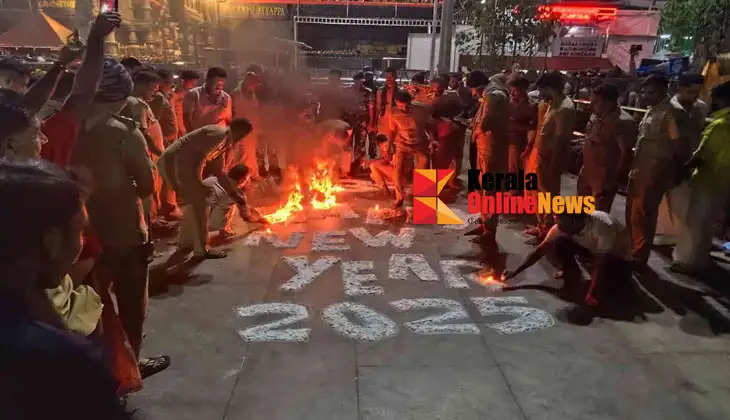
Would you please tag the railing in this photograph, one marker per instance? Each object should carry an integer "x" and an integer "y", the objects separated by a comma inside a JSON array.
[{"x": 327, "y": 20}]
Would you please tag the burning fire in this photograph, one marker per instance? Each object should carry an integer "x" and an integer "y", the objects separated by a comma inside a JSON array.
[
  {"x": 293, "y": 204},
  {"x": 322, "y": 188},
  {"x": 488, "y": 279}
]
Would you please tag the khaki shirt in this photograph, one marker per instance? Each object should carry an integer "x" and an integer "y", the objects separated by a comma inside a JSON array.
[
  {"x": 177, "y": 106},
  {"x": 490, "y": 130},
  {"x": 115, "y": 154},
  {"x": 605, "y": 138},
  {"x": 188, "y": 155},
  {"x": 658, "y": 134},
  {"x": 559, "y": 118},
  {"x": 139, "y": 111},
  {"x": 162, "y": 108},
  {"x": 408, "y": 133}
]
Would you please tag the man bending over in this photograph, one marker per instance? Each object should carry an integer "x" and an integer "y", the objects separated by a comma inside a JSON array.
[{"x": 598, "y": 235}]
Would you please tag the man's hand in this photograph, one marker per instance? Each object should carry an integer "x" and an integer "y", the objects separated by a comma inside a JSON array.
[
  {"x": 105, "y": 23},
  {"x": 69, "y": 53}
]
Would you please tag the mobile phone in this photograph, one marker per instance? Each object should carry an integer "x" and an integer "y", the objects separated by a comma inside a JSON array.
[{"x": 108, "y": 5}]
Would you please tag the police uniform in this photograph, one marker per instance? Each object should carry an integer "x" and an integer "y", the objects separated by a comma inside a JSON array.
[
  {"x": 605, "y": 138},
  {"x": 410, "y": 143},
  {"x": 652, "y": 174},
  {"x": 181, "y": 165},
  {"x": 490, "y": 136}
]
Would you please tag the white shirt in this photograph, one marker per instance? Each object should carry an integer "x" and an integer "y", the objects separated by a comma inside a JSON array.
[
  {"x": 219, "y": 197},
  {"x": 602, "y": 234}
]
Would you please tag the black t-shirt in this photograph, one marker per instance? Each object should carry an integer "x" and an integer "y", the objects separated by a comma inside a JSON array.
[{"x": 50, "y": 374}]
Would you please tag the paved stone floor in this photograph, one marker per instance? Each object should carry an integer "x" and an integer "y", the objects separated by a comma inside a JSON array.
[{"x": 271, "y": 333}]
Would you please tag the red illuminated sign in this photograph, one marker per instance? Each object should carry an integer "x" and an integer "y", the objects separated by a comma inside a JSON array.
[{"x": 576, "y": 13}]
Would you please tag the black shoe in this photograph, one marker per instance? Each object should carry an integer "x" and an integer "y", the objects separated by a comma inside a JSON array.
[{"x": 148, "y": 366}]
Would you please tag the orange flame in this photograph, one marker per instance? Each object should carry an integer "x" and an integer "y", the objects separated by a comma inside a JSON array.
[
  {"x": 293, "y": 204},
  {"x": 322, "y": 188},
  {"x": 487, "y": 279}
]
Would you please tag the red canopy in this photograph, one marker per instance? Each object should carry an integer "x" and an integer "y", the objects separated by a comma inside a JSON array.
[{"x": 36, "y": 30}]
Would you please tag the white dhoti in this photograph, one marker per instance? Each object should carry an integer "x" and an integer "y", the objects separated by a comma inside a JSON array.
[
  {"x": 672, "y": 214},
  {"x": 695, "y": 239},
  {"x": 221, "y": 216}
]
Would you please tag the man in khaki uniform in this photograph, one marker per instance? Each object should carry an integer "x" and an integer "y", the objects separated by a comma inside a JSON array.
[
  {"x": 182, "y": 164},
  {"x": 138, "y": 109},
  {"x": 552, "y": 142},
  {"x": 409, "y": 136},
  {"x": 489, "y": 132},
  {"x": 610, "y": 135},
  {"x": 654, "y": 167},
  {"x": 112, "y": 151},
  {"x": 384, "y": 103}
]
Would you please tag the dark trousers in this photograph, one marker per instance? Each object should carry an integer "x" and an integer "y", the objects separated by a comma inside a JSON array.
[
  {"x": 126, "y": 269},
  {"x": 608, "y": 272}
]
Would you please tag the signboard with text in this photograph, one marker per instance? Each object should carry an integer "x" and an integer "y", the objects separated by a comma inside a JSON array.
[
  {"x": 256, "y": 11},
  {"x": 577, "y": 47}
]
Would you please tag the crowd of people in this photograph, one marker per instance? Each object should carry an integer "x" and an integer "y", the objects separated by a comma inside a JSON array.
[{"x": 95, "y": 156}]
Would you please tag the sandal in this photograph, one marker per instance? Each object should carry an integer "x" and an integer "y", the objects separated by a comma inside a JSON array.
[{"x": 148, "y": 366}]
